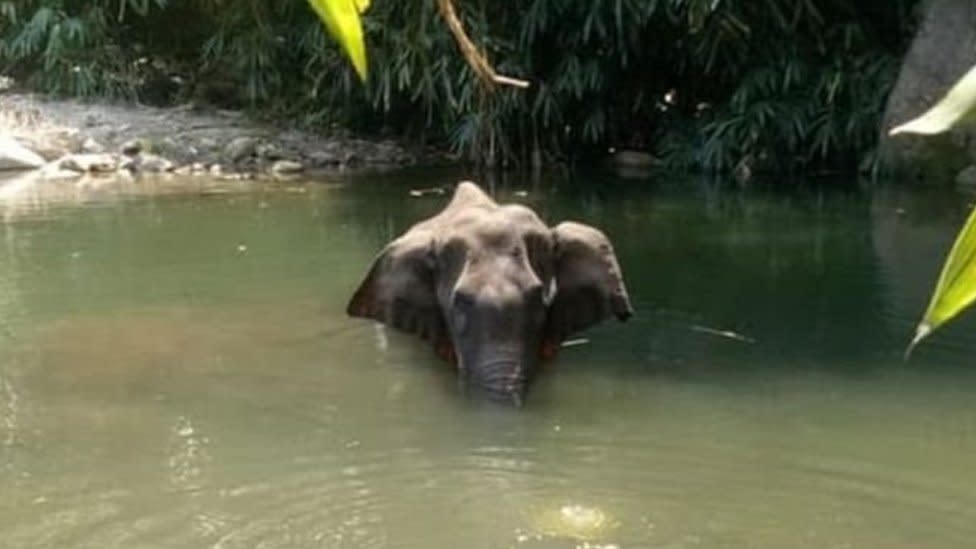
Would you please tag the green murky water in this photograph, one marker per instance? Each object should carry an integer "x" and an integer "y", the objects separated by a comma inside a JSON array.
[{"x": 176, "y": 371}]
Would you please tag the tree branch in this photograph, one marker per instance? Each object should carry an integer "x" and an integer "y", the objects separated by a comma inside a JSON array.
[{"x": 475, "y": 58}]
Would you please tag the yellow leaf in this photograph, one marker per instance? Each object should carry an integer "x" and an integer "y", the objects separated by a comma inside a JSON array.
[
  {"x": 956, "y": 288},
  {"x": 341, "y": 18},
  {"x": 958, "y": 105}
]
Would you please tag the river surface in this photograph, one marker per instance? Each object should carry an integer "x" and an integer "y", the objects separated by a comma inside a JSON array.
[{"x": 177, "y": 371}]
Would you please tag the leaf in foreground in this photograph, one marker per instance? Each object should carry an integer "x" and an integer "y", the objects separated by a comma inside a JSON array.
[
  {"x": 341, "y": 18},
  {"x": 956, "y": 288},
  {"x": 959, "y": 104}
]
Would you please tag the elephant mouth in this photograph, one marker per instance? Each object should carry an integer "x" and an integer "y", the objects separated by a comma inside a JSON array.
[{"x": 501, "y": 380}]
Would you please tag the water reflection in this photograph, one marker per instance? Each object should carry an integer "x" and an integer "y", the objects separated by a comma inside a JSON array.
[
  {"x": 188, "y": 455},
  {"x": 9, "y": 411},
  {"x": 160, "y": 386}
]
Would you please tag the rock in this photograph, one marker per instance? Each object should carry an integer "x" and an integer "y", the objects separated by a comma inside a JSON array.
[
  {"x": 14, "y": 156},
  {"x": 942, "y": 51},
  {"x": 129, "y": 164},
  {"x": 54, "y": 172},
  {"x": 323, "y": 158},
  {"x": 742, "y": 173},
  {"x": 285, "y": 167},
  {"x": 240, "y": 148},
  {"x": 237, "y": 176},
  {"x": 153, "y": 163},
  {"x": 89, "y": 163},
  {"x": 208, "y": 143},
  {"x": 52, "y": 144},
  {"x": 70, "y": 139},
  {"x": 92, "y": 146},
  {"x": 630, "y": 164},
  {"x": 132, "y": 147},
  {"x": 634, "y": 159},
  {"x": 432, "y": 191},
  {"x": 268, "y": 152},
  {"x": 172, "y": 147},
  {"x": 967, "y": 177}
]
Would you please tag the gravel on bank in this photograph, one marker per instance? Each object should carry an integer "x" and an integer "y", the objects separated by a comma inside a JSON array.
[{"x": 74, "y": 138}]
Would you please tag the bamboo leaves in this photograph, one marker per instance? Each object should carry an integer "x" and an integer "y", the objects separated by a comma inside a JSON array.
[
  {"x": 956, "y": 289},
  {"x": 958, "y": 105},
  {"x": 341, "y": 18}
]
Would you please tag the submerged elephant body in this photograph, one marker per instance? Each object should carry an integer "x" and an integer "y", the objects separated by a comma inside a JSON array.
[{"x": 493, "y": 288}]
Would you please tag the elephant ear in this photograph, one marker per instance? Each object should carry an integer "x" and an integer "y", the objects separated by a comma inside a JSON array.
[
  {"x": 589, "y": 285},
  {"x": 400, "y": 289}
]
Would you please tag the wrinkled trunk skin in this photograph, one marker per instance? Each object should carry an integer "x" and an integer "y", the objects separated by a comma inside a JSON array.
[
  {"x": 496, "y": 381},
  {"x": 943, "y": 50},
  {"x": 499, "y": 373},
  {"x": 497, "y": 385}
]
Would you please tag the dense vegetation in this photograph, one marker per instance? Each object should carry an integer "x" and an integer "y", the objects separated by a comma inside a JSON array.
[{"x": 786, "y": 85}]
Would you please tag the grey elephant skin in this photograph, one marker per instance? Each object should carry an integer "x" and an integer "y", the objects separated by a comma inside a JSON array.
[{"x": 493, "y": 288}]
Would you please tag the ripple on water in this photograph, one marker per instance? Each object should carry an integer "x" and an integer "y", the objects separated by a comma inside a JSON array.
[
  {"x": 9, "y": 412},
  {"x": 668, "y": 487},
  {"x": 308, "y": 508}
]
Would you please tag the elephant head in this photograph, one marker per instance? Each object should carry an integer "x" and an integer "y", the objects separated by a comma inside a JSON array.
[{"x": 493, "y": 288}]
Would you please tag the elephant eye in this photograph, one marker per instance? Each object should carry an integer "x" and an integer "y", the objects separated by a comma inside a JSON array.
[
  {"x": 463, "y": 303},
  {"x": 534, "y": 293},
  {"x": 463, "y": 300}
]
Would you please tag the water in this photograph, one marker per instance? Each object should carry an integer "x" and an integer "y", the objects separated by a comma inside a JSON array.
[{"x": 176, "y": 371}]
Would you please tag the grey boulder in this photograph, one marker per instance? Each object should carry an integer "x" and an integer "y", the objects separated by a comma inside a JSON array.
[{"x": 14, "y": 156}]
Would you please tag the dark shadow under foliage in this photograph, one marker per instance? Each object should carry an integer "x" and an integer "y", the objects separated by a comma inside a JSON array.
[{"x": 713, "y": 85}]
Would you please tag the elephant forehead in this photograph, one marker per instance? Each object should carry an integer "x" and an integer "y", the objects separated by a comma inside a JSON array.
[{"x": 504, "y": 227}]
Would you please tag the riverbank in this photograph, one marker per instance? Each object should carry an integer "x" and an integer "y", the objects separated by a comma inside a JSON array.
[{"x": 71, "y": 138}]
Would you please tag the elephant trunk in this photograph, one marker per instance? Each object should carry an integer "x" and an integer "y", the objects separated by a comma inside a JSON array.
[{"x": 504, "y": 379}]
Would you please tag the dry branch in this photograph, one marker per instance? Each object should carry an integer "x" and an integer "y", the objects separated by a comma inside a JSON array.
[{"x": 479, "y": 64}]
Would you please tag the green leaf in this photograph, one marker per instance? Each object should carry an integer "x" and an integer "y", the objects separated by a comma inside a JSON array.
[
  {"x": 341, "y": 18},
  {"x": 958, "y": 105},
  {"x": 956, "y": 288}
]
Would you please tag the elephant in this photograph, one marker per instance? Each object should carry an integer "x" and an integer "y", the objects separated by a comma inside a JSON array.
[{"x": 493, "y": 288}]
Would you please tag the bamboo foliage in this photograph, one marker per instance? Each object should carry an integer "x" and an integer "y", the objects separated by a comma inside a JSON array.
[
  {"x": 955, "y": 290},
  {"x": 775, "y": 84}
]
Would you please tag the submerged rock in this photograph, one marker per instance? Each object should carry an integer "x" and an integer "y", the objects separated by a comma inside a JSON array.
[
  {"x": 54, "y": 172},
  {"x": 635, "y": 159},
  {"x": 967, "y": 177},
  {"x": 89, "y": 163},
  {"x": 631, "y": 164}
]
